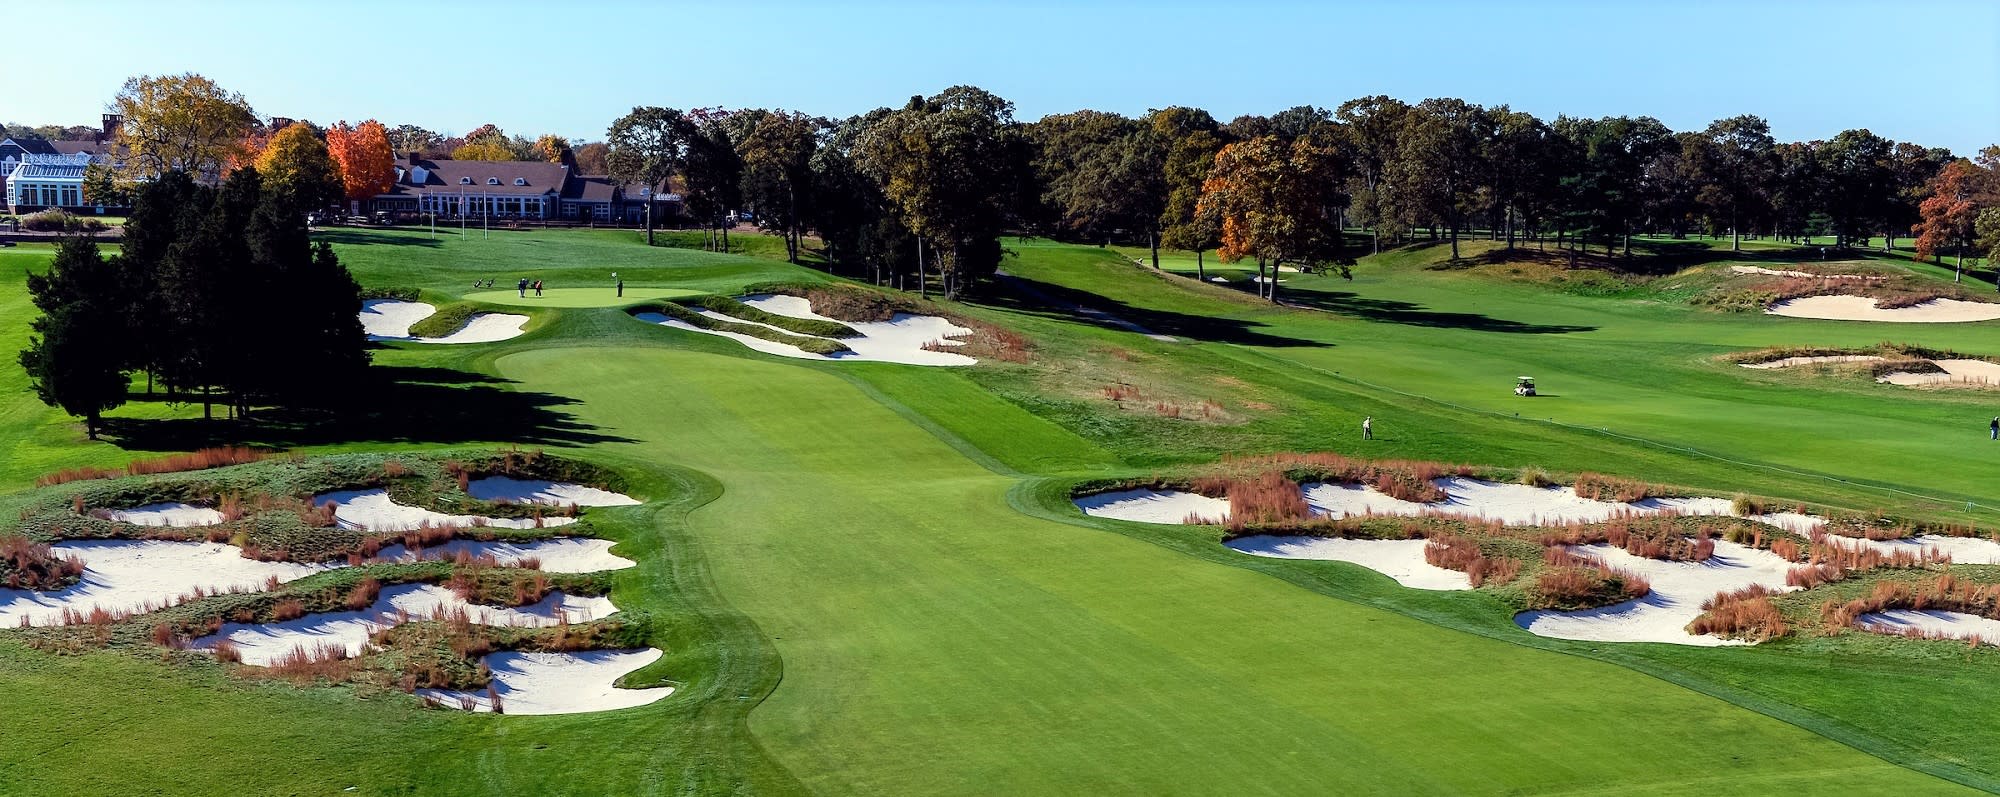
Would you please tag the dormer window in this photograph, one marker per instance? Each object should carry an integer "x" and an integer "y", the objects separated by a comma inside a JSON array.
[
  {"x": 492, "y": 181},
  {"x": 465, "y": 181},
  {"x": 520, "y": 181}
]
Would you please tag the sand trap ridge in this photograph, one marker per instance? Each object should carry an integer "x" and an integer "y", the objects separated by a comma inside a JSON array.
[
  {"x": 1862, "y": 308},
  {"x": 390, "y": 319},
  {"x": 1956, "y": 372},
  {"x": 1402, "y": 560},
  {"x": 558, "y": 683},
  {"x": 263, "y": 643},
  {"x": 1789, "y": 362},
  {"x": 373, "y": 510},
  {"x": 1931, "y": 623},
  {"x": 128, "y": 576},
  {"x": 1808, "y": 274},
  {"x": 1154, "y": 506},
  {"x": 559, "y": 555},
  {"x": 175, "y": 514},
  {"x": 1679, "y": 589},
  {"x": 534, "y": 491},
  {"x": 898, "y": 340}
]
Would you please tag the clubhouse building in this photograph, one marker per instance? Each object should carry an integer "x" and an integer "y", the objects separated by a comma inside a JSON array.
[
  {"x": 513, "y": 190},
  {"x": 36, "y": 174}
]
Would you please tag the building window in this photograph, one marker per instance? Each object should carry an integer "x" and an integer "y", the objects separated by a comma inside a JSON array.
[{"x": 465, "y": 181}]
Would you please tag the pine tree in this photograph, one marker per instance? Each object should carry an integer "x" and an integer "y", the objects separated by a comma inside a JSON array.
[{"x": 78, "y": 355}]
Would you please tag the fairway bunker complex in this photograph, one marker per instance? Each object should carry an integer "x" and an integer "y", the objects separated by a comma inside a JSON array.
[
  {"x": 260, "y": 644},
  {"x": 906, "y": 338},
  {"x": 133, "y": 576},
  {"x": 556, "y": 683},
  {"x": 391, "y": 319}
]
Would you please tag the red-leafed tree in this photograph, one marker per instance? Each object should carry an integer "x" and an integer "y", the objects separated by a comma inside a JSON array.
[
  {"x": 367, "y": 165},
  {"x": 1955, "y": 198}
]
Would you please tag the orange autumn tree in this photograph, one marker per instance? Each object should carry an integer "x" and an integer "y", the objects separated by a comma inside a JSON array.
[
  {"x": 1277, "y": 202},
  {"x": 367, "y": 164},
  {"x": 1957, "y": 194}
]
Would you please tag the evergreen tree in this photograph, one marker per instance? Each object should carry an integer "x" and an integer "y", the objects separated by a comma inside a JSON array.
[{"x": 78, "y": 355}]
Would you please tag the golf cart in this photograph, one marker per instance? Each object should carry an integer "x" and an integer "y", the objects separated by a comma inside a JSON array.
[{"x": 1526, "y": 387}]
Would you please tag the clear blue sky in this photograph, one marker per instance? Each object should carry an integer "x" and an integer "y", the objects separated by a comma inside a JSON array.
[{"x": 1919, "y": 70}]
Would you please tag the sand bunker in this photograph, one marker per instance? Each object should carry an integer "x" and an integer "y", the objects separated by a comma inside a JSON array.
[
  {"x": 373, "y": 510},
  {"x": 1679, "y": 589},
  {"x": 177, "y": 515},
  {"x": 1862, "y": 308},
  {"x": 898, "y": 340},
  {"x": 508, "y": 489},
  {"x": 1155, "y": 506},
  {"x": 557, "y": 683},
  {"x": 132, "y": 576},
  {"x": 261, "y": 644},
  {"x": 559, "y": 555},
  {"x": 1956, "y": 372},
  {"x": 1963, "y": 550},
  {"x": 1808, "y": 274},
  {"x": 1402, "y": 560},
  {"x": 1511, "y": 504},
  {"x": 390, "y": 319},
  {"x": 1931, "y": 624},
  {"x": 1789, "y": 362}
]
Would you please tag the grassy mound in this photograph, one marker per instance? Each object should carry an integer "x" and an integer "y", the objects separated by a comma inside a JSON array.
[
  {"x": 448, "y": 319},
  {"x": 820, "y": 346},
  {"x": 803, "y": 326}
]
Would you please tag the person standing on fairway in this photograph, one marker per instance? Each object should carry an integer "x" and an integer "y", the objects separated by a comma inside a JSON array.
[
  {"x": 1994, "y": 429},
  {"x": 621, "y": 288},
  {"x": 523, "y": 287},
  {"x": 1368, "y": 428}
]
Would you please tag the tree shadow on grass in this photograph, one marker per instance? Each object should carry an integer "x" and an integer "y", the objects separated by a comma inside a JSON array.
[
  {"x": 1391, "y": 311},
  {"x": 352, "y": 237},
  {"x": 396, "y": 404},
  {"x": 1048, "y": 300}
]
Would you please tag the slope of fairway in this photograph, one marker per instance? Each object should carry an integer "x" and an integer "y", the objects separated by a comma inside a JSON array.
[{"x": 937, "y": 641}]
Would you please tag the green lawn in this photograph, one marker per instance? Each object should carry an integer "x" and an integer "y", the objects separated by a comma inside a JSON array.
[
  {"x": 868, "y": 578},
  {"x": 579, "y": 297}
]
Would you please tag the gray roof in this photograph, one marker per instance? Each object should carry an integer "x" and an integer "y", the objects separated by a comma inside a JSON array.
[
  {"x": 444, "y": 175},
  {"x": 33, "y": 146},
  {"x": 51, "y": 167}
]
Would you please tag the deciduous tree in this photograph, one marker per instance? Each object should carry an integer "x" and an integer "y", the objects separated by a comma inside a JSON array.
[
  {"x": 180, "y": 123},
  {"x": 367, "y": 165},
  {"x": 297, "y": 166},
  {"x": 648, "y": 146}
]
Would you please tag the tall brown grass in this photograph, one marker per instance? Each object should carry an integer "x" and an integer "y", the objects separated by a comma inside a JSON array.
[
  {"x": 1600, "y": 487},
  {"x": 1746, "y": 613},
  {"x": 201, "y": 459},
  {"x": 1653, "y": 537},
  {"x": 1462, "y": 553},
  {"x": 1568, "y": 581},
  {"x": 27, "y": 564}
]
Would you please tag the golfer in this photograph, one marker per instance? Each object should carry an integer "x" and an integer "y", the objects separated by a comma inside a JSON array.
[
  {"x": 523, "y": 287},
  {"x": 1994, "y": 428},
  {"x": 1368, "y": 428}
]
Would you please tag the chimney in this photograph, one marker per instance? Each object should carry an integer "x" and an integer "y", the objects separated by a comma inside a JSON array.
[
  {"x": 111, "y": 123},
  {"x": 414, "y": 155}
]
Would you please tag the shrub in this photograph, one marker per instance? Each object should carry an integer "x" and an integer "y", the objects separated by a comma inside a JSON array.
[
  {"x": 398, "y": 293},
  {"x": 58, "y": 220}
]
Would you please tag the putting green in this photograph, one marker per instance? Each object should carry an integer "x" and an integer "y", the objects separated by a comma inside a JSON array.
[{"x": 579, "y": 297}]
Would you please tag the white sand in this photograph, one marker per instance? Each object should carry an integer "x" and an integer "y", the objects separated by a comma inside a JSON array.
[
  {"x": 131, "y": 576},
  {"x": 1778, "y": 273},
  {"x": 1956, "y": 372},
  {"x": 535, "y": 491},
  {"x": 1963, "y": 550},
  {"x": 484, "y": 328},
  {"x": 1402, "y": 560},
  {"x": 1154, "y": 506},
  {"x": 1343, "y": 500},
  {"x": 1862, "y": 308},
  {"x": 1679, "y": 589},
  {"x": 1267, "y": 279},
  {"x": 898, "y": 340},
  {"x": 262, "y": 644},
  {"x": 372, "y": 510},
  {"x": 1830, "y": 358},
  {"x": 390, "y": 319},
  {"x": 1511, "y": 504},
  {"x": 1932, "y": 622},
  {"x": 177, "y": 515},
  {"x": 559, "y": 683},
  {"x": 559, "y": 555},
  {"x": 1219, "y": 279}
]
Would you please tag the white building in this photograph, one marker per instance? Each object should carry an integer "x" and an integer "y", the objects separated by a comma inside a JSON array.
[{"x": 41, "y": 181}]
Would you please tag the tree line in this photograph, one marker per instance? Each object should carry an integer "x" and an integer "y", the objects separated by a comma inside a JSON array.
[
  {"x": 929, "y": 187},
  {"x": 217, "y": 295}
]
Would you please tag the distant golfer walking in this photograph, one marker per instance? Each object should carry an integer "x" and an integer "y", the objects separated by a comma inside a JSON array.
[
  {"x": 523, "y": 287},
  {"x": 1368, "y": 428},
  {"x": 1994, "y": 428}
]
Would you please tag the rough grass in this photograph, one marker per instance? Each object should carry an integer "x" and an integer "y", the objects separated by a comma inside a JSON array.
[{"x": 448, "y": 319}]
